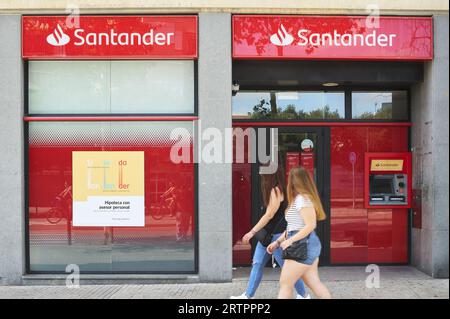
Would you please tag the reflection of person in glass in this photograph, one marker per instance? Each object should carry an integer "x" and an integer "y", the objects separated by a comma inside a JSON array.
[
  {"x": 168, "y": 198},
  {"x": 62, "y": 205},
  {"x": 108, "y": 235},
  {"x": 64, "y": 199},
  {"x": 184, "y": 211},
  {"x": 273, "y": 197}
]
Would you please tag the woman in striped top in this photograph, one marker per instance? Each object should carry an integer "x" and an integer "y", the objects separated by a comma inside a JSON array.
[{"x": 303, "y": 211}]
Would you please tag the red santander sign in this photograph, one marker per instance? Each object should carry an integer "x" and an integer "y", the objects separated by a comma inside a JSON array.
[
  {"x": 109, "y": 37},
  {"x": 332, "y": 37}
]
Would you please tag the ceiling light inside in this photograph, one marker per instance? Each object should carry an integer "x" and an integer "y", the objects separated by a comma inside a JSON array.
[{"x": 330, "y": 84}]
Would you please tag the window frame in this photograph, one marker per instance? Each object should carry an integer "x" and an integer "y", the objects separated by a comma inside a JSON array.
[{"x": 100, "y": 117}]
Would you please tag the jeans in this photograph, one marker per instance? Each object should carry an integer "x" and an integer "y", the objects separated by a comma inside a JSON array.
[
  {"x": 260, "y": 259},
  {"x": 314, "y": 247}
]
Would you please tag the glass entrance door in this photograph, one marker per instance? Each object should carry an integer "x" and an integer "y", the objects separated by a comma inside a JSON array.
[{"x": 305, "y": 147}]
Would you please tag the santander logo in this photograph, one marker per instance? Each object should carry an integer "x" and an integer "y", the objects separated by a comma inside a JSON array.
[
  {"x": 372, "y": 38},
  {"x": 58, "y": 37},
  {"x": 282, "y": 37},
  {"x": 110, "y": 37}
]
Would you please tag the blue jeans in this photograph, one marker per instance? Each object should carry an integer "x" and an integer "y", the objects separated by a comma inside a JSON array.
[
  {"x": 314, "y": 247},
  {"x": 260, "y": 259}
]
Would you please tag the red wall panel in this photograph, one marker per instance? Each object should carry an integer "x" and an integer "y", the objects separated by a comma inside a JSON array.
[
  {"x": 242, "y": 205},
  {"x": 360, "y": 235},
  {"x": 242, "y": 254}
]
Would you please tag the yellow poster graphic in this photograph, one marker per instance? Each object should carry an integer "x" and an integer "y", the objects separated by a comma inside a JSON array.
[{"x": 108, "y": 188}]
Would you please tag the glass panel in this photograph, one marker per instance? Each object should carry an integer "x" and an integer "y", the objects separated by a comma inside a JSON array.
[
  {"x": 64, "y": 87},
  {"x": 289, "y": 105},
  {"x": 299, "y": 149},
  {"x": 245, "y": 104},
  {"x": 380, "y": 105},
  {"x": 164, "y": 244},
  {"x": 152, "y": 86},
  {"x": 69, "y": 87}
]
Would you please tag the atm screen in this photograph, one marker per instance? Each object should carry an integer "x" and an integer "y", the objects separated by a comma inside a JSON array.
[{"x": 381, "y": 186}]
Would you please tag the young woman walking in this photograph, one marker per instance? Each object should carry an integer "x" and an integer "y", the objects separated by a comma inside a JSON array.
[
  {"x": 273, "y": 193},
  {"x": 302, "y": 260}
]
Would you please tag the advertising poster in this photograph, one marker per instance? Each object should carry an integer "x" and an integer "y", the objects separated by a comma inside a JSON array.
[
  {"x": 292, "y": 161},
  {"x": 108, "y": 189},
  {"x": 307, "y": 156},
  {"x": 307, "y": 162}
]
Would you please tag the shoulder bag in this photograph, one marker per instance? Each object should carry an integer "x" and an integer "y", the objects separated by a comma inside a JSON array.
[
  {"x": 298, "y": 250},
  {"x": 265, "y": 237}
]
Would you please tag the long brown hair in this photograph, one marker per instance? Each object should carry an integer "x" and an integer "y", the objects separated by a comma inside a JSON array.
[
  {"x": 269, "y": 181},
  {"x": 300, "y": 182}
]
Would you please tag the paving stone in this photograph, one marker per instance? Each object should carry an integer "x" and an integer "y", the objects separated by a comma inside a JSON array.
[{"x": 343, "y": 283}]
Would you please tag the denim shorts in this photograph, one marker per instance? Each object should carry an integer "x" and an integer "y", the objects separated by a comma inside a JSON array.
[{"x": 314, "y": 247}]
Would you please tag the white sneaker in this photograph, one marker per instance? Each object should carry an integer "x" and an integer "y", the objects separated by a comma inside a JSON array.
[
  {"x": 243, "y": 296},
  {"x": 308, "y": 296}
]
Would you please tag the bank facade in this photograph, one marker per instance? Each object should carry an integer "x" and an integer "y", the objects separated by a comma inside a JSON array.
[{"x": 93, "y": 106}]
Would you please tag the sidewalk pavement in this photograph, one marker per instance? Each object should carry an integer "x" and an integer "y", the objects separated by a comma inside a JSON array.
[{"x": 344, "y": 282}]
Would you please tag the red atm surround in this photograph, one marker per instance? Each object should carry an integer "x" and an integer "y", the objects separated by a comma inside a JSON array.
[{"x": 406, "y": 169}]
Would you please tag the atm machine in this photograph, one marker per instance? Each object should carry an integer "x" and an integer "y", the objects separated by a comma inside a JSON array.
[{"x": 388, "y": 180}]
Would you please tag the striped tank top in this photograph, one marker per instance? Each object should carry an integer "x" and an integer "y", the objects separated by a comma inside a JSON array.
[{"x": 294, "y": 218}]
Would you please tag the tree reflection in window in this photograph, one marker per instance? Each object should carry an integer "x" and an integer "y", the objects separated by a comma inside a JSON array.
[
  {"x": 377, "y": 105},
  {"x": 297, "y": 106},
  {"x": 385, "y": 112}
]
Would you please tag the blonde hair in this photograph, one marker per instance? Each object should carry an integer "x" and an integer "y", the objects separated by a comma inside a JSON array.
[{"x": 300, "y": 182}]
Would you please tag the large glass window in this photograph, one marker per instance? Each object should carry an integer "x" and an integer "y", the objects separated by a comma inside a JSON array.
[
  {"x": 321, "y": 105},
  {"x": 85, "y": 205},
  {"x": 383, "y": 105},
  {"x": 63, "y": 87},
  {"x": 289, "y": 105},
  {"x": 166, "y": 242}
]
